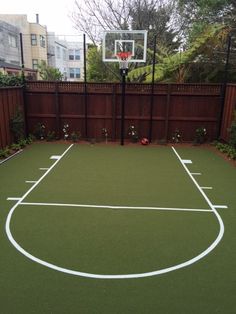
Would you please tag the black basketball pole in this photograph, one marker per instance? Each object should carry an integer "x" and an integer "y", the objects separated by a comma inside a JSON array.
[
  {"x": 85, "y": 90},
  {"x": 152, "y": 88},
  {"x": 122, "y": 126}
]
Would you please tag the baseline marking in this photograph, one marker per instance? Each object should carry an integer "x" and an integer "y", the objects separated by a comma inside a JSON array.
[
  {"x": 126, "y": 276},
  {"x": 44, "y": 168},
  {"x": 186, "y": 161},
  {"x": 196, "y": 173},
  {"x": 220, "y": 206},
  {"x": 116, "y": 207},
  {"x": 55, "y": 157},
  {"x": 30, "y": 181},
  {"x": 13, "y": 198},
  {"x": 206, "y": 187}
]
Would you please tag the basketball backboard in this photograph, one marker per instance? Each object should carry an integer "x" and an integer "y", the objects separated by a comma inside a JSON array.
[{"x": 118, "y": 41}]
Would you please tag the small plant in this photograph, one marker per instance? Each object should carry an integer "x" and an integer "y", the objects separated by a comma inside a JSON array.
[
  {"x": 39, "y": 131},
  {"x": 200, "y": 135},
  {"x": 30, "y": 139},
  {"x": 176, "y": 137},
  {"x": 65, "y": 131},
  {"x": 15, "y": 147},
  {"x": 17, "y": 125},
  {"x": 105, "y": 134},
  {"x": 75, "y": 136},
  {"x": 22, "y": 143},
  {"x": 232, "y": 134},
  {"x": 227, "y": 149},
  {"x": 51, "y": 136},
  {"x": 133, "y": 133},
  {"x": 4, "y": 153}
]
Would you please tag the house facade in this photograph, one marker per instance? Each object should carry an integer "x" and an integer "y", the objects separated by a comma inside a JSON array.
[{"x": 38, "y": 45}]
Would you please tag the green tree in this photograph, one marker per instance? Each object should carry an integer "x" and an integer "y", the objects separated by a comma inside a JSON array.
[
  {"x": 176, "y": 67},
  {"x": 48, "y": 73},
  {"x": 98, "y": 71},
  {"x": 156, "y": 17},
  {"x": 11, "y": 80}
]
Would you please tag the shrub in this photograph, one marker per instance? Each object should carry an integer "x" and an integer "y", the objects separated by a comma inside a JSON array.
[
  {"x": 22, "y": 143},
  {"x": 17, "y": 125},
  {"x": 232, "y": 132},
  {"x": 4, "y": 153},
  {"x": 39, "y": 131},
  {"x": 15, "y": 147},
  {"x": 133, "y": 133},
  {"x": 51, "y": 136},
  {"x": 227, "y": 149},
  {"x": 200, "y": 135},
  {"x": 65, "y": 130},
  {"x": 176, "y": 137},
  {"x": 75, "y": 136}
]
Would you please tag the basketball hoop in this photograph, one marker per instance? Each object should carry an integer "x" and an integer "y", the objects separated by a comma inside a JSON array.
[{"x": 124, "y": 57}]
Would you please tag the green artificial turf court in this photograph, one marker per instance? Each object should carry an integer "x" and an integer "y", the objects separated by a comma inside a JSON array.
[{"x": 111, "y": 229}]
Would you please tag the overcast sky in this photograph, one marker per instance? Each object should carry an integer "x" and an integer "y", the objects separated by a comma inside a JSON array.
[{"x": 53, "y": 14}]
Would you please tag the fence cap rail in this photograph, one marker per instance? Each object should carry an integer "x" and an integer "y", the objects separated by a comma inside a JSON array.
[{"x": 136, "y": 88}]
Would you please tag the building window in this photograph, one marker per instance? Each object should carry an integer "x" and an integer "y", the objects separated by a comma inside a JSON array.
[
  {"x": 77, "y": 54},
  {"x": 33, "y": 39},
  {"x": 35, "y": 64},
  {"x": 12, "y": 40},
  {"x": 74, "y": 54},
  {"x": 42, "y": 41},
  {"x": 74, "y": 72},
  {"x": 71, "y": 54}
]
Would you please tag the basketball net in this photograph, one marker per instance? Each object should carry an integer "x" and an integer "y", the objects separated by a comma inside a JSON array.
[{"x": 124, "y": 58}]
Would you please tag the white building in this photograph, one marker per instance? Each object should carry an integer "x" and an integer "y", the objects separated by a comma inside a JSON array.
[
  {"x": 75, "y": 61},
  {"x": 58, "y": 54},
  {"x": 66, "y": 56}
]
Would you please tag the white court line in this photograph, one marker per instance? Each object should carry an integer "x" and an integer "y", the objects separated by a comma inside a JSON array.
[
  {"x": 101, "y": 276},
  {"x": 55, "y": 157},
  {"x": 13, "y": 198},
  {"x": 220, "y": 206},
  {"x": 13, "y": 155},
  {"x": 30, "y": 181},
  {"x": 206, "y": 187},
  {"x": 186, "y": 161},
  {"x": 196, "y": 173},
  {"x": 44, "y": 168},
  {"x": 116, "y": 207},
  {"x": 221, "y": 224}
]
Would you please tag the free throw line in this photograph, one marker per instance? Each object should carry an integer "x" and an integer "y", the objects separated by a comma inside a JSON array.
[{"x": 116, "y": 207}]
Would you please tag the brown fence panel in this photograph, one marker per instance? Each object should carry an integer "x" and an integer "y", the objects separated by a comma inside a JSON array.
[
  {"x": 182, "y": 106},
  {"x": 11, "y": 98},
  {"x": 228, "y": 114}
]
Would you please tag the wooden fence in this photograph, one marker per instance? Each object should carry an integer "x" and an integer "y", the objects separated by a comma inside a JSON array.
[
  {"x": 229, "y": 108},
  {"x": 10, "y": 99},
  {"x": 91, "y": 107}
]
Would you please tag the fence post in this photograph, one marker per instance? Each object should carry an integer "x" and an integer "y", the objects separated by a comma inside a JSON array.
[
  {"x": 57, "y": 109},
  {"x": 167, "y": 111},
  {"x": 113, "y": 104},
  {"x": 152, "y": 88},
  {"x": 85, "y": 90}
]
